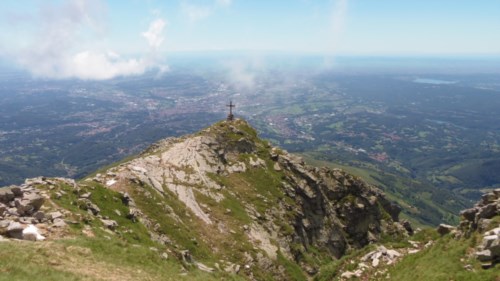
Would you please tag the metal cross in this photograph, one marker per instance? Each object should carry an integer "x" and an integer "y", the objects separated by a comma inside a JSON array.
[{"x": 230, "y": 117}]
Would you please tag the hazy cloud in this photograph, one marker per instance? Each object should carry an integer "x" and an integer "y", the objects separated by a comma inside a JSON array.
[
  {"x": 240, "y": 74},
  {"x": 62, "y": 48},
  {"x": 154, "y": 35},
  {"x": 338, "y": 17},
  {"x": 337, "y": 25},
  {"x": 243, "y": 73}
]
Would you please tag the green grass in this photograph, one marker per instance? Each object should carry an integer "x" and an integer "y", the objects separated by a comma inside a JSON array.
[
  {"x": 23, "y": 261},
  {"x": 332, "y": 269},
  {"x": 292, "y": 270},
  {"x": 206, "y": 243},
  {"x": 237, "y": 209},
  {"x": 97, "y": 258},
  {"x": 443, "y": 262},
  {"x": 426, "y": 234},
  {"x": 153, "y": 206},
  {"x": 127, "y": 253},
  {"x": 109, "y": 202}
]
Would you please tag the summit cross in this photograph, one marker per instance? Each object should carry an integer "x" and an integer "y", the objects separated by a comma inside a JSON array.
[{"x": 230, "y": 117}]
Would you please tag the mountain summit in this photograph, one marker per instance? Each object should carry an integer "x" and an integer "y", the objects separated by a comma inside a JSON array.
[
  {"x": 221, "y": 200},
  {"x": 250, "y": 203}
]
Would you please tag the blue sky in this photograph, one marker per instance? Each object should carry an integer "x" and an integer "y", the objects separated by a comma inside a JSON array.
[{"x": 65, "y": 38}]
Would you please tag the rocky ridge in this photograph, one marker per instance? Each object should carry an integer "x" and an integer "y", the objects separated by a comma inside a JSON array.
[
  {"x": 219, "y": 200},
  {"x": 325, "y": 209}
]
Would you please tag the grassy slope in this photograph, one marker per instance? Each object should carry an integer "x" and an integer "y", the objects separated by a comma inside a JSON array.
[
  {"x": 126, "y": 254},
  {"x": 259, "y": 187},
  {"x": 88, "y": 259},
  {"x": 443, "y": 261}
]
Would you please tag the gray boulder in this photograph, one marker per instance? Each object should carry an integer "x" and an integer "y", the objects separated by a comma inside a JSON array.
[
  {"x": 6, "y": 194},
  {"x": 488, "y": 211},
  {"x": 34, "y": 200},
  {"x": 110, "y": 224},
  {"x": 23, "y": 207},
  {"x": 59, "y": 222},
  {"x": 40, "y": 216},
  {"x": 55, "y": 215},
  {"x": 3, "y": 208},
  {"x": 15, "y": 230},
  {"x": 469, "y": 214},
  {"x": 444, "y": 229},
  {"x": 87, "y": 205},
  {"x": 489, "y": 250},
  {"x": 17, "y": 191},
  {"x": 484, "y": 255}
]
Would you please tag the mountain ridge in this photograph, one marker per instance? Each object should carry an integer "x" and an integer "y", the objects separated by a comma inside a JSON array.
[
  {"x": 210, "y": 163},
  {"x": 225, "y": 194}
]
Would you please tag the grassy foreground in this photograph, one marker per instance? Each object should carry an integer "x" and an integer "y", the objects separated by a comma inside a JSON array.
[
  {"x": 89, "y": 259},
  {"x": 445, "y": 260}
]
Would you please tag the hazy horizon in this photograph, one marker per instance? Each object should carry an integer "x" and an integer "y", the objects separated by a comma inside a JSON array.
[{"x": 99, "y": 40}]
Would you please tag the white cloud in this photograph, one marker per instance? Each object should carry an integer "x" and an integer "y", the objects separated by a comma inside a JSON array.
[
  {"x": 154, "y": 35},
  {"x": 243, "y": 73},
  {"x": 62, "y": 47},
  {"x": 240, "y": 75},
  {"x": 99, "y": 66}
]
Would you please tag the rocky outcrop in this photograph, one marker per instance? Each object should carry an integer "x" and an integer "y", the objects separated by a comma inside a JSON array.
[
  {"x": 444, "y": 229},
  {"x": 480, "y": 219},
  {"x": 336, "y": 210},
  {"x": 19, "y": 210},
  {"x": 488, "y": 252},
  {"x": 375, "y": 264},
  {"x": 381, "y": 254},
  {"x": 479, "y": 216},
  {"x": 21, "y": 216}
]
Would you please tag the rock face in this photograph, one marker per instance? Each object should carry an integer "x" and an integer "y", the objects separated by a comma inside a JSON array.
[
  {"x": 481, "y": 218},
  {"x": 336, "y": 210}
]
